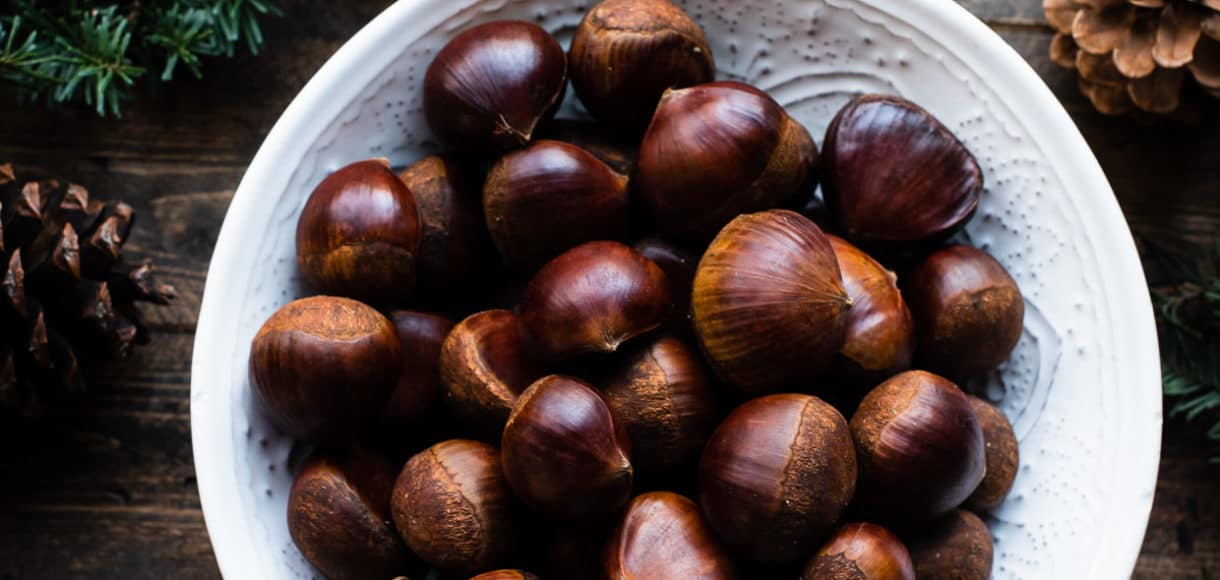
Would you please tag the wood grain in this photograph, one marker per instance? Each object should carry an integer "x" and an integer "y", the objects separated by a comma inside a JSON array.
[{"x": 105, "y": 488}]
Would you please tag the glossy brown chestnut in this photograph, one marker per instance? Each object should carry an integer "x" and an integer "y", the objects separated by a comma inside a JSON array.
[
  {"x": 892, "y": 173},
  {"x": 506, "y": 575},
  {"x": 563, "y": 453},
  {"x": 880, "y": 332},
  {"x": 717, "y": 150},
  {"x": 420, "y": 336},
  {"x": 626, "y": 53},
  {"x": 593, "y": 298},
  {"x": 551, "y": 196},
  {"x": 339, "y": 516},
  {"x": 662, "y": 536},
  {"x": 958, "y": 546},
  {"x": 968, "y": 312},
  {"x": 679, "y": 267},
  {"x": 861, "y": 551},
  {"x": 1002, "y": 457},
  {"x": 322, "y": 368},
  {"x": 359, "y": 234},
  {"x": 769, "y": 305},
  {"x": 453, "y": 248},
  {"x": 664, "y": 398},
  {"x": 485, "y": 364},
  {"x": 453, "y": 507},
  {"x": 776, "y": 475},
  {"x": 490, "y": 87},
  {"x": 617, "y": 152},
  {"x": 919, "y": 446}
]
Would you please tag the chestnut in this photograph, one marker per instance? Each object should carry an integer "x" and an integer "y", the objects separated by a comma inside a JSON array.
[
  {"x": 572, "y": 549},
  {"x": 663, "y": 397},
  {"x": 1002, "y": 457},
  {"x": 563, "y": 454},
  {"x": 769, "y": 305},
  {"x": 491, "y": 86},
  {"x": 679, "y": 267},
  {"x": 880, "y": 332},
  {"x": 551, "y": 196},
  {"x": 593, "y": 298},
  {"x": 958, "y": 546},
  {"x": 717, "y": 150},
  {"x": 484, "y": 365},
  {"x": 339, "y": 516},
  {"x": 453, "y": 247},
  {"x": 453, "y": 507},
  {"x": 611, "y": 148},
  {"x": 892, "y": 173},
  {"x": 662, "y": 535},
  {"x": 506, "y": 575},
  {"x": 919, "y": 447},
  {"x": 776, "y": 475},
  {"x": 861, "y": 551},
  {"x": 359, "y": 234},
  {"x": 322, "y": 368},
  {"x": 968, "y": 312},
  {"x": 626, "y": 53},
  {"x": 420, "y": 336}
]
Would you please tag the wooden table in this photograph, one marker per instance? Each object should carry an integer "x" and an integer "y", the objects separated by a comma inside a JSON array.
[{"x": 106, "y": 487}]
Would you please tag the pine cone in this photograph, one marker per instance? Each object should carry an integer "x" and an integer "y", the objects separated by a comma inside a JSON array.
[
  {"x": 66, "y": 294},
  {"x": 1137, "y": 52}
]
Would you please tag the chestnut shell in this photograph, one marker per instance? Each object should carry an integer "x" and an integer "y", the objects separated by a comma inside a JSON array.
[
  {"x": 1002, "y": 456},
  {"x": 919, "y": 447},
  {"x": 339, "y": 516},
  {"x": 861, "y": 551},
  {"x": 506, "y": 575},
  {"x": 549, "y": 197},
  {"x": 776, "y": 475},
  {"x": 893, "y": 174},
  {"x": 454, "y": 249},
  {"x": 627, "y": 53},
  {"x": 485, "y": 363},
  {"x": 662, "y": 535},
  {"x": 359, "y": 235},
  {"x": 322, "y": 368},
  {"x": 491, "y": 86},
  {"x": 958, "y": 546},
  {"x": 420, "y": 336},
  {"x": 715, "y": 151},
  {"x": 769, "y": 305},
  {"x": 679, "y": 267}
]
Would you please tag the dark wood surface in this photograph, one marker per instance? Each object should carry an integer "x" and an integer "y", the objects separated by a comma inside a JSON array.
[{"x": 105, "y": 488}]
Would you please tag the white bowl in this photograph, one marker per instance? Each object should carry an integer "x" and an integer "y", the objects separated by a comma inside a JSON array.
[{"x": 1082, "y": 389}]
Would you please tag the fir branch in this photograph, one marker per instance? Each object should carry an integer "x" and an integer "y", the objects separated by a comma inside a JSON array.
[
  {"x": 1187, "y": 300},
  {"x": 94, "y": 51}
]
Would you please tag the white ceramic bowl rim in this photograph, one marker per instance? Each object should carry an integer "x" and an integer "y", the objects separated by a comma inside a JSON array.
[{"x": 336, "y": 84}]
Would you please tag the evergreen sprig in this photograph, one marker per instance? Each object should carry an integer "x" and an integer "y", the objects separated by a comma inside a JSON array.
[
  {"x": 1186, "y": 294},
  {"x": 93, "y": 51}
]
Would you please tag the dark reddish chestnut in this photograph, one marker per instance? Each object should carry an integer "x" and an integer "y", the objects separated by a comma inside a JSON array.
[
  {"x": 453, "y": 507},
  {"x": 563, "y": 453},
  {"x": 769, "y": 305},
  {"x": 322, "y": 368},
  {"x": 920, "y": 448},
  {"x": 593, "y": 298},
  {"x": 664, "y": 398},
  {"x": 616, "y": 152},
  {"x": 776, "y": 475},
  {"x": 717, "y": 150},
  {"x": 679, "y": 267},
  {"x": 453, "y": 248},
  {"x": 420, "y": 336},
  {"x": 485, "y": 364},
  {"x": 626, "y": 53},
  {"x": 968, "y": 312},
  {"x": 1002, "y": 457},
  {"x": 359, "y": 233},
  {"x": 662, "y": 535},
  {"x": 551, "y": 196},
  {"x": 493, "y": 84},
  {"x": 861, "y": 551},
  {"x": 880, "y": 332},
  {"x": 958, "y": 546},
  {"x": 339, "y": 516},
  {"x": 506, "y": 575},
  {"x": 893, "y": 174}
]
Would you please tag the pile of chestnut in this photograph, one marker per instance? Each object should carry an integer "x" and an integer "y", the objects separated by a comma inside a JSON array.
[{"x": 662, "y": 366}]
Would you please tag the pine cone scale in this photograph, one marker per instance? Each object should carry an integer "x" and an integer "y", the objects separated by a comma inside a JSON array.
[
  {"x": 1133, "y": 57},
  {"x": 1176, "y": 35}
]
